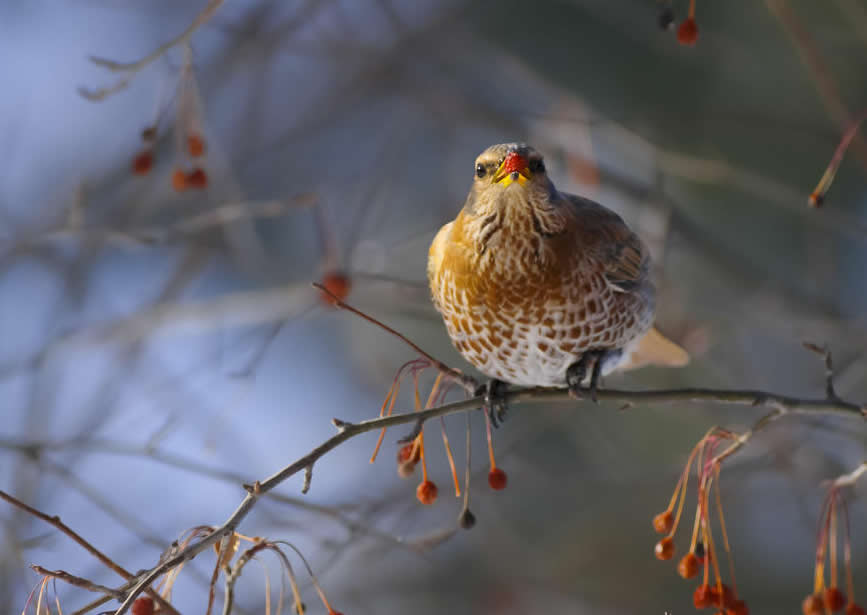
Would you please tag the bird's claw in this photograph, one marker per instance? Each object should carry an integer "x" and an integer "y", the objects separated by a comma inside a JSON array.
[
  {"x": 577, "y": 372},
  {"x": 495, "y": 402}
]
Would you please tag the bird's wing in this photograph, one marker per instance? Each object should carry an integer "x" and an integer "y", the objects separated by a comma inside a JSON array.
[{"x": 623, "y": 256}]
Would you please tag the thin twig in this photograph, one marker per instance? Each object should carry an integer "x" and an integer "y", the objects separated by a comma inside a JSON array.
[
  {"x": 78, "y": 581},
  {"x": 132, "y": 68}
]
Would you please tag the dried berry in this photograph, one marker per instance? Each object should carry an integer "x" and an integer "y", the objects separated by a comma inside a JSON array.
[
  {"x": 663, "y": 522},
  {"x": 664, "y": 549},
  {"x": 426, "y": 492},
  {"x": 688, "y": 566}
]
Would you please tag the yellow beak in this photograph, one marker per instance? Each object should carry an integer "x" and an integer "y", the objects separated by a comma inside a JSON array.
[{"x": 506, "y": 178}]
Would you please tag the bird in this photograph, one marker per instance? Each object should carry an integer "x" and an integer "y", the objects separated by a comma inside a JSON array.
[{"x": 538, "y": 287}]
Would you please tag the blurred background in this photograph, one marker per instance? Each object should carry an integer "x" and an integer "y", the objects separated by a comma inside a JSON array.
[{"x": 162, "y": 346}]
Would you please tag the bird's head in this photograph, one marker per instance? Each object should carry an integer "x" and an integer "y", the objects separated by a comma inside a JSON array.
[{"x": 508, "y": 173}]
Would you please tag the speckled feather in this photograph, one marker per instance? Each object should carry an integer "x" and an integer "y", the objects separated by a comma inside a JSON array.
[{"x": 527, "y": 279}]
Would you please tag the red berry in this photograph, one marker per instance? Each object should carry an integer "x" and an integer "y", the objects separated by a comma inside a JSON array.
[
  {"x": 813, "y": 605},
  {"x": 143, "y": 162},
  {"x": 179, "y": 180},
  {"x": 497, "y": 479},
  {"x": 664, "y": 549},
  {"x": 338, "y": 285},
  {"x": 663, "y": 522},
  {"x": 688, "y": 566},
  {"x": 723, "y": 596},
  {"x": 197, "y": 178},
  {"x": 143, "y": 606},
  {"x": 701, "y": 597},
  {"x": 834, "y": 599},
  {"x": 687, "y": 33},
  {"x": 195, "y": 145},
  {"x": 739, "y": 607},
  {"x": 854, "y": 609},
  {"x": 426, "y": 492}
]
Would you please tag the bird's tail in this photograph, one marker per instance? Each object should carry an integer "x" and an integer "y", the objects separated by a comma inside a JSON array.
[{"x": 654, "y": 349}]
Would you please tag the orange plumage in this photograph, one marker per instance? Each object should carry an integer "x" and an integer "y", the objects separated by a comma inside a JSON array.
[{"x": 529, "y": 280}]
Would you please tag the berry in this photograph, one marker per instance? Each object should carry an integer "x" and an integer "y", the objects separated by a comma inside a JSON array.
[
  {"x": 834, "y": 599},
  {"x": 854, "y": 609},
  {"x": 663, "y": 522},
  {"x": 701, "y": 597},
  {"x": 738, "y": 607},
  {"x": 468, "y": 520},
  {"x": 688, "y": 566},
  {"x": 143, "y": 162},
  {"x": 338, "y": 285},
  {"x": 687, "y": 33},
  {"x": 426, "y": 492},
  {"x": 664, "y": 549},
  {"x": 197, "y": 178},
  {"x": 726, "y": 599},
  {"x": 813, "y": 605},
  {"x": 195, "y": 145},
  {"x": 143, "y": 606},
  {"x": 179, "y": 180},
  {"x": 497, "y": 479}
]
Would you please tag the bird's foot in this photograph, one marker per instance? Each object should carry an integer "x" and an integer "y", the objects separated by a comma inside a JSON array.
[
  {"x": 577, "y": 372},
  {"x": 495, "y": 401}
]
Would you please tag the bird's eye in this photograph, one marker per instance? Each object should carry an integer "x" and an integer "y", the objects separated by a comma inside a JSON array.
[
  {"x": 537, "y": 166},
  {"x": 480, "y": 170}
]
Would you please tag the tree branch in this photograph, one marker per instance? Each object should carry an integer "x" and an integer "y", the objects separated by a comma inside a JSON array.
[{"x": 781, "y": 404}]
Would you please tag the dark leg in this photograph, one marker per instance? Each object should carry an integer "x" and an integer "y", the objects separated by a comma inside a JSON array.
[
  {"x": 577, "y": 372},
  {"x": 495, "y": 405}
]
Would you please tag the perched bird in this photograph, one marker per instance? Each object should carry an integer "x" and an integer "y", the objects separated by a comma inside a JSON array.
[{"x": 543, "y": 288}]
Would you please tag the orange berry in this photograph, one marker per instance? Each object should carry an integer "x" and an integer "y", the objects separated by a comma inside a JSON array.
[
  {"x": 197, "y": 178},
  {"x": 405, "y": 452},
  {"x": 701, "y": 597},
  {"x": 663, "y": 522},
  {"x": 143, "y": 606},
  {"x": 813, "y": 605},
  {"x": 337, "y": 284},
  {"x": 664, "y": 549},
  {"x": 834, "y": 599},
  {"x": 727, "y": 598},
  {"x": 195, "y": 145},
  {"x": 739, "y": 607},
  {"x": 687, "y": 33},
  {"x": 688, "y": 566},
  {"x": 497, "y": 479},
  {"x": 143, "y": 162},
  {"x": 426, "y": 492},
  {"x": 179, "y": 180},
  {"x": 854, "y": 609}
]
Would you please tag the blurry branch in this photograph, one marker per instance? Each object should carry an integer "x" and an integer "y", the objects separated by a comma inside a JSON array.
[
  {"x": 216, "y": 217},
  {"x": 817, "y": 67},
  {"x": 35, "y": 449},
  {"x": 102, "y": 557},
  {"x": 130, "y": 69}
]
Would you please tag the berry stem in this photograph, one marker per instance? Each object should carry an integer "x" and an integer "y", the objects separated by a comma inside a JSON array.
[
  {"x": 490, "y": 440},
  {"x": 847, "y": 555},
  {"x": 818, "y": 194},
  {"x": 833, "y": 537},
  {"x": 692, "y": 9},
  {"x": 722, "y": 524}
]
